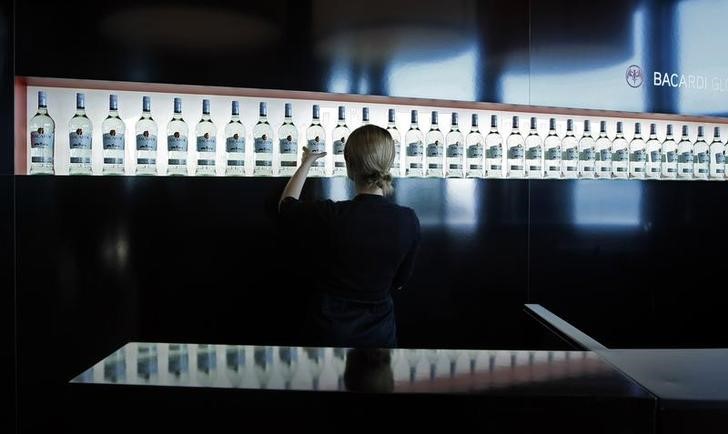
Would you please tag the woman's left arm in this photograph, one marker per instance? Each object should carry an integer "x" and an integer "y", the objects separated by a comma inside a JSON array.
[{"x": 295, "y": 184}]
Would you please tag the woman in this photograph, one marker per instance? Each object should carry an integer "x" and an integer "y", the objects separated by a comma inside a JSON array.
[{"x": 365, "y": 247}]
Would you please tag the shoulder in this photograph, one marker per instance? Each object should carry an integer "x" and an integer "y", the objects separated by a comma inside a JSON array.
[
  {"x": 290, "y": 205},
  {"x": 409, "y": 217}
]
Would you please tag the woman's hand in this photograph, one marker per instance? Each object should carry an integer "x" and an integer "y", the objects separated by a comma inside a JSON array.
[{"x": 310, "y": 157}]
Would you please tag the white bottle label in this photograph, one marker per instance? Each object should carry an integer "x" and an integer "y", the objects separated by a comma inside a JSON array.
[
  {"x": 620, "y": 155},
  {"x": 316, "y": 147},
  {"x": 686, "y": 157},
  {"x": 720, "y": 158},
  {"x": 552, "y": 154},
  {"x": 495, "y": 152},
  {"x": 702, "y": 157},
  {"x": 587, "y": 154},
  {"x": 475, "y": 151},
  {"x": 638, "y": 156},
  {"x": 533, "y": 153},
  {"x": 454, "y": 151},
  {"x": 146, "y": 143},
  {"x": 79, "y": 141},
  {"x": 263, "y": 146},
  {"x": 288, "y": 146},
  {"x": 115, "y": 142},
  {"x": 206, "y": 144},
  {"x": 669, "y": 157},
  {"x": 177, "y": 143},
  {"x": 434, "y": 150},
  {"x": 41, "y": 140},
  {"x": 235, "y": 145},
  {"x": 655, "y": 157},
  {"x": 570, "y": 154},
  {"x": 604, "y": 155},
  {"x": 414, "y": 149},
  {"x": 339, "y": 147}
]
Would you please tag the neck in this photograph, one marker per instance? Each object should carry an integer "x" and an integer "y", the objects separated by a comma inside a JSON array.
[{"x": 362, "y": 189}]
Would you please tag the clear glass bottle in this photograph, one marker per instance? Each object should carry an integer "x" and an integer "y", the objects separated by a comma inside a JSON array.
[
  {"x": 340, "y": 135},
  {"x": 717, "y": 156},
  {"x": 79, "y": 139},
  {"x": 685, "y": 155},
  {"x": 206, "y": 133},
  {"x": 145, "y": 133},
  {"x": 475, "y": 154},
  {"x": 316, "y": 141},
  {"x": 637, "y": 158},
  {"x": 394, "y": 132},
  {"x": 414, "y": 140},
  {"x": 263, "y": 143},
  {"x": 669, "y": 156},
  {"x": 494, "y": 167},
  {"x": 435, "y": 151},
  {"x": 570, "y": 153},
  {"x": 586, "y": 152},
  {"x": 113, "y": 132},
  {"x": 42, "y": 139},
  {"x": 365, "y": 116},
  {"x": 552, "y": 152},
  {"x": 455, "y": 146},
  {"x": 620, "y": 155},
  {"x": 534, "y": 152},
  {"x": 235, "y": 143},
  {"x": 702, "y": 157},
  {"x": 288, "y": 143},
  {"x": 288, "y": 358},
  {"x": 177, "y": 132},
  {"x": 653, "y": 151},
  {"x": 515, "y": 152},
  {"x": 263, "y": 365},
  {"x": 603, "y": 153}
]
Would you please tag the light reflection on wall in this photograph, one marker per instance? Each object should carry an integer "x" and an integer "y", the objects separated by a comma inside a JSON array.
[
  {"x": 340, "y": 78},
  {"x": 701, "y": 43},
  {"x": 460, "y": 203},
  {"x": 609, "y": 204}
]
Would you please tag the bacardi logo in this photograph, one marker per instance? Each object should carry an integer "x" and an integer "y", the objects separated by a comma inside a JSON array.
[
  {"x": 634, "y": 76},
  {"x": 235, "y": 136}
]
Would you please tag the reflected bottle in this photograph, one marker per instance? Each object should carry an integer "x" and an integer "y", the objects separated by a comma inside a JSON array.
[
  {"x": 669, "y": 156},
  {"x": 178, "y": 362},
  {"x": 685, "y": 155},
  {"x": 316, "y": 141},
  {"x": 620, "y": 155},
  {"x": 206, "y": 133},
  {"x": 515, "y": 151},
  {"x": 603, "y": 153},
  {"x": 235, "y": 364},
  {"x": 340, "y": 136},
  {"x": 79, "y": 139},
  {"x": 717, "y": 156},
  {"x": 316, "y": 365},
  {"x": 396, "y": 138},
  {"x": 435, "y": 153},
  {"x": 413, "y": 359},
  {"x": 145, "y": 132},
  {"x": 147, "y": 361},
  {"x": 415, "y": 148},
  {"x": 288, "y": 143},
  {"x": 569, "y": 153},
  {"x": 263, "y": 359},
  {"x": 702, "y": 159},
  {"x": 454, "y": 153},
  {"x": 340, "y": 366},
  {"x": 42, "y": 139},
  {"x": 534, "y": 152},
  {"x": 206, "y": 364},
  {"x": 494, "y": 149},
  {"x": 288, "y": 357},
  {"x": 115, "y": 367},
  {"x": 586, "y": 152},
  {"x": 235, "y": 143},
  {"x": 552, "y": 152},
  {"x": 177, "y": 133},
  {"x": 475, "y": 150},
  {"x": 653, "y": 151},
  {"x": 365, "y": 116},
  {"x": 432, "y": 357},
  {"x": 637, "y": 154},
  {"x": 113, "y": 130},
  {"x": 263, "y": 143}
]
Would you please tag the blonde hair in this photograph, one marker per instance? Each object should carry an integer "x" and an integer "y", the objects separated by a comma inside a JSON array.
[{"x": 369, "y": 154}]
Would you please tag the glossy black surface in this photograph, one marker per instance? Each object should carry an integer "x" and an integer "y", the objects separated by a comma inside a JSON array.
[
  {"x": 7, "y": 306},
  {"x": 632, "y": 264}
]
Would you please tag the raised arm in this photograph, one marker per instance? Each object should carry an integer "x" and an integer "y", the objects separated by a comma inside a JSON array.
[{"x": 295, "y": 184}]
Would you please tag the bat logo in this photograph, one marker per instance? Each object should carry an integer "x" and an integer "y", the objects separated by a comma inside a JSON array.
[{"x": 634, "y": 76}]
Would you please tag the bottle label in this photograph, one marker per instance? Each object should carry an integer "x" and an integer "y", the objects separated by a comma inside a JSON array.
[
  {"x": 669, "y": 157},
  {"x": 604, "y": 155},
  {"x": 620, "y": 156},
  {"x": 339, "y": 147},
  {"x": 113, "y": 142},
  {"x": 79, "y": 141},
  {"x": 587, "y": 154},
  {"x": 552, "y": 154},
  {"x": 146, "y": 143},
  {"x": 655, "y": 157},
  {"x": 263, "y": 146},
  {"x": 288, "y": 146},
  {"x": 414, "y": 149},
  {"x": 434, "y": 150},
  {"x": 685, "y": 158},
  {"x": 515, "y": 153},
  {"x": 178, "y": 144},
  {"x": 396, "y": 148},
  {"x": 237, "y": 163},
  {"x": 720, "y": 158},
  {"x": 570, "y": 154},
  {"x": 316, "y": 147},
  {"x": 205, "y": 144},
  {"x": 495, "y": 152},
  {"x": 454, "y": 151},
  {"x": 703, "y": 158},
  {"x": 108, "y": 160},
  {"x": 146, "y": 161},
  {"x": 533, "y": 153},
  {"x": 235, "y": 145},
  {"x": 638, "y": 156},
  {"x": 41, "y": 140},
  {"x": 475, "y": 151}
]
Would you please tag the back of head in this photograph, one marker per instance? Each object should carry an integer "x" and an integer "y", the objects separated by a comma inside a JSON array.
[{"x": 369, "y": 155}]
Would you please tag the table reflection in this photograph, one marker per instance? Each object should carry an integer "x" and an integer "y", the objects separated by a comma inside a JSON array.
[{"x": 338, "y": 369}]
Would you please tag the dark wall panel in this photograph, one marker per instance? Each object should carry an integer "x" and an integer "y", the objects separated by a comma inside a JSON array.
[{"x": 7, "y": 306}]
